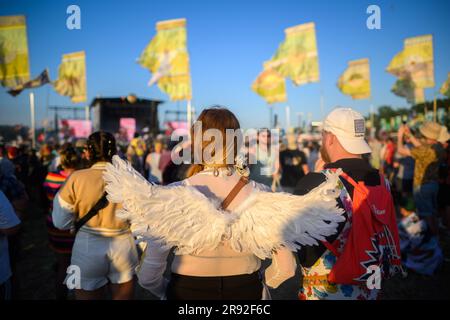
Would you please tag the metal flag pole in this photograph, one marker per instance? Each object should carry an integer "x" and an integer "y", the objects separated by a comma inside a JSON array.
[
  {"x": 288, "y": 118},
  {"x": 189, "y": 116},
  {"x": 86, "y": 113},
  {"x": 372, "y": 120},
  {"x": 434, "y": 108},
  {"x": 300, "y": 118},
  {"x": 372, "y": 117},
  {"x": 33, "y": 124}
]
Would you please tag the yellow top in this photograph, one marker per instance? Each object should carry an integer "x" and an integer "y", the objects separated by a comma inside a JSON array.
[{"x": 82, "y": 190}]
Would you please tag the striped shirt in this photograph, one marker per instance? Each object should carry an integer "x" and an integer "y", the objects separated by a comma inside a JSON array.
[
  {"x": 61, "y": 241},
  {"x": 53, "y": 182}
]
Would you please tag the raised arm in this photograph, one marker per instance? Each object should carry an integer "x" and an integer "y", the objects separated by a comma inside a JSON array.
[
  {"x": 412, "y": 138},
  {"x": 400, "y": 146}
]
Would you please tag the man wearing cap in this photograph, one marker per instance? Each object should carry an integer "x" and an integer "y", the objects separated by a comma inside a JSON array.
[
  {"x": 428, "y": 154},
  {"x": 343, "y": 147}
]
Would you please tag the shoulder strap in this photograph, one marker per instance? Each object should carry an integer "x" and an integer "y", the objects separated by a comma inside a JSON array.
[
  {"x": 101, "y": 203},
  {"x": 330, "y": 247},
  {"x": 234, "y": 192},
  {"x": 356, "y": 185}
]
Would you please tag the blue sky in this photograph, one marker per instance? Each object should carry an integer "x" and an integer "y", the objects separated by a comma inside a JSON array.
[{"x": 227, "y": 41}]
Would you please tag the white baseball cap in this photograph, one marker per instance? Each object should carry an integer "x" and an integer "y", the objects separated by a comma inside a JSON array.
[{"x": 349, "y": 127}]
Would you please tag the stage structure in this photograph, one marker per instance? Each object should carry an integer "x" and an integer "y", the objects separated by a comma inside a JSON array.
[{"x": 108, "y": 112}]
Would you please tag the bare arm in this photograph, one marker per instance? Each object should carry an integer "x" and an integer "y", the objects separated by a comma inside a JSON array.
[
  {"x": 276, "y": 167},
  {"x": 414, "y": 140},
  {"x": 400, "y": 146}
]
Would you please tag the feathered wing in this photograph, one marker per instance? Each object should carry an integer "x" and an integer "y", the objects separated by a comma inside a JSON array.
[
  {"x": 182, "y": 217},
  {"x": 176, "y": 216},
  {"x": 269, "y": 220}
]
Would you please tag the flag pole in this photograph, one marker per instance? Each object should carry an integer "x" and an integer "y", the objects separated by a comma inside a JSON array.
[
  {"x": 300, "y": 118},
  {"x": 33, "y": 124},
  {"x": 189, "y": 115},
  {"x": 288, "y": 118},
  {"x": 372, "y": 118},
  {"x": 270, "y": 115},
  {"x": 434, "y": 108}
]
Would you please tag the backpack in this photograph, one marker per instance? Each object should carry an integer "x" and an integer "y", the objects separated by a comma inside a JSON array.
[{"x": 373, "y": 239}]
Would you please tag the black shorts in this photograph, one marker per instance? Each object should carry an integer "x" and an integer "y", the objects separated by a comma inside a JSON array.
[{"x": 240, "y": 287}]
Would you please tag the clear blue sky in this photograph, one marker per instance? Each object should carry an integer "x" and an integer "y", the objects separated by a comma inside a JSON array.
[{"x": 228, "y": 40}]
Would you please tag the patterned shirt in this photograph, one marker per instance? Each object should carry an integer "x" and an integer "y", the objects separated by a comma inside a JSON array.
[
  {"x": 427, "y": 158},
  {"x": 315, "y": 283},
  {"x": 53, "y": 182}
]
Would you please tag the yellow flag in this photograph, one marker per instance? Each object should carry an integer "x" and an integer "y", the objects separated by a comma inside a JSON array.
[
  {"x": 445, "y": 89},
  {"x": 419, "y": 95},
  {"x": 72, "y": 77},
  {"x": 416, "y": 60},
  {"x": 405, "y": 87},
  {"x": 355, "y": 81},
  {"x": 167, "y": 58},
  {"x": 270, "y": 85},
  {"x": 297, "y": 58},
  {"x": 14, "y": 64}
]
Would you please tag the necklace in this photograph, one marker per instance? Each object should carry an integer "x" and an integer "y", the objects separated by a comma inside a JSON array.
[{"x": 217, "y": 171}]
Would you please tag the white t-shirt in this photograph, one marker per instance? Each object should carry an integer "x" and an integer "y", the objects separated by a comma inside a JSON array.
[{"x": 8, "y": 219}]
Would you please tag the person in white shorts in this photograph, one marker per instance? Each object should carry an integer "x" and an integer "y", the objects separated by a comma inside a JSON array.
[{"x": 104, "y": 249}]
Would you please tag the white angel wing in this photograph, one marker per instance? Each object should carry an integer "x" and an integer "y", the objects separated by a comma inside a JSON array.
[
  {"x": 182, "y": 217},
  {"x": 176, "y": 216},
  {"x": 269, "y": 220}
]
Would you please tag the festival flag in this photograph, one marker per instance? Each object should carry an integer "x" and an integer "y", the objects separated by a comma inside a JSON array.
[
  {"x": 405, "y": 87},
  {"x": 415, "y": 61},
  {"x": 167, "y": 58},
  {"x": 297, "y": 58},
  {"x": 14, "y": 64},
  {"x": 355, "y": 81},
  {"x": 445, "y": 89},
  {"x": 72, "y": 77},
  {"x": 270, "y": 85},
  {"x": 419, "y": 95},
  {"x": 40, "y": 80}
]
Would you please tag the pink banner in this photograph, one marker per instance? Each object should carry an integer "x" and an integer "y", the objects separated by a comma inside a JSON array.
[
  {"x": 75, "y": 128},
  {"x": 180, "y": 126},
  {"x": 129, "y": 125}
]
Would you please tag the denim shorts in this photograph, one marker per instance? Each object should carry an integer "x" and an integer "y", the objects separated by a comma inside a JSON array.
[{"x": 425, "y": 199}]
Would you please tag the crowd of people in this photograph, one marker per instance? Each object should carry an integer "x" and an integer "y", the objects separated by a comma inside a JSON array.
[{"x": 305, "y": 201}]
